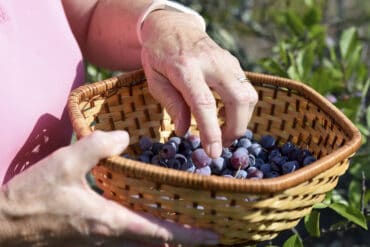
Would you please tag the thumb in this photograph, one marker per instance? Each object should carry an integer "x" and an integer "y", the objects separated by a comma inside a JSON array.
[{"x": 89, "y": 150}]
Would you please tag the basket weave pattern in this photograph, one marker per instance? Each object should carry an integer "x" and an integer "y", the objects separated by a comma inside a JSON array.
[{"x": 241, "y": 211}]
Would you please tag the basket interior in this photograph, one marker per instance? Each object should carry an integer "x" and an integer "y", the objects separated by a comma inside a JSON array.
[{"x": 282, "y": 112}]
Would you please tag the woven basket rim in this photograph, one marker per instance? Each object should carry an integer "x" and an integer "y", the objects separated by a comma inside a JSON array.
[{"x": 162, "y": 175}]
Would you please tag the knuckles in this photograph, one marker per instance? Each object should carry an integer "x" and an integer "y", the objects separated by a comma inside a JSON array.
[{"x": 201, "y": 100}]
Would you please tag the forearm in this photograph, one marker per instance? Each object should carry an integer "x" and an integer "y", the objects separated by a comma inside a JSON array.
[{"x": 106, "y": 30}]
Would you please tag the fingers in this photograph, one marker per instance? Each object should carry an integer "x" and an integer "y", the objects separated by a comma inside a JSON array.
[
  {"x": 83, "y": 155},
  {"x": 239, "y": 99},
  {"x": 189, "y": 80},
  {"x": 128, "y": 225},
  {"x": 163, "y": 91}
]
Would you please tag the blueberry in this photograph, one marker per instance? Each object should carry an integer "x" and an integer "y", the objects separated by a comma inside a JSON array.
[
  {"x": 253, "y": 172},
  {"x": 163, "y": 162},
  {"x": 303, "y": 154},
  {"x": 244, "y": 142},
  {"x": 268, "y": 142},
  {"x": 275, "y": 167},
  {"x": 217, "y": 165},
  {"x": 155, "y": 159},
  {"x": 240, "y": 159},
  {"x": 265, "y": 168},
  {"x": 146, "y": 158},
  {"x": 255, "y": 149},
  {"x": 274, "y": 153},
  {"x": 290, "y": 166},
  {"x": 308, "y": 160},
  {"x": 175, "y": 139},
  {"x": 263, "y": 155},
  {"x": 293, "y": 155},
  {"x": 185, "y": 148},
  {"x": 174, "y": 163},
  {"x": 200, "y": 158},
  {"x": 248, "y": 134},
  {"x": 168, "y": 150},
  {"x": 287, "y": 148},
  {"x": 194, "y": 141},
  {"x": 188, "y": 166},
  {"x": 206, "y": 170},
  {"x": 226, "y": 153},
  {"x": 145, "y": 143},
  {"x": 251, "y": 160},
  {"x": 259, "y": 162},
  {"x": 279, "y": 160},
  {"x": 234, "y": 145},
  {"x": 181, "y": 158},
  {"x": 157, "y": 147},
  {"x": 272, "y": 174},
  {"x": 241, "y": 174}
]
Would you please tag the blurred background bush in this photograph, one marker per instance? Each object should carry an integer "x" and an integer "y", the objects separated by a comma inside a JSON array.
[{"x": 324, "y": 43}]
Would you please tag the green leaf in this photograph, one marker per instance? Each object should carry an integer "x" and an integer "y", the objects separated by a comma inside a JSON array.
[
  {"x": 312, "y": 16},
  {"x": 273, "y": 67},
  {"x": 320, "y": 205},
  {"x": 349, "y": 107},
  {"x": 293, "y": 241},
  {"x": 294, "y": 23},
  {"x": 283, "y": 52},
  {"x": 352, "y": 214},
  {"x": 359, "y": 165},
  {"x": 347, "y": 42},
  {"x": 337, "y": 197},
  {"x": 312, "y": 223},
  {"x": 304, "y": 61},
  {"x": 293, "y": 73}
]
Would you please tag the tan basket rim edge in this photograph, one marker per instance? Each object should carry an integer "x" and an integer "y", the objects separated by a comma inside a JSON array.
[{"x": 179, "y": 178}]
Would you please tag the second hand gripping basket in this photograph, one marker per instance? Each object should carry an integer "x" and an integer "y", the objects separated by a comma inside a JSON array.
[{"x": 240, "y": 211}]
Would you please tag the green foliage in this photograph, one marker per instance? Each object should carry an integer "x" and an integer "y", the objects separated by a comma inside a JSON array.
[
  {"x": 350, "y": 213},
  {"x": 293, "y": 241},
  {"x": 312, "y": 223},
  {"x": 306, "y": 52}
]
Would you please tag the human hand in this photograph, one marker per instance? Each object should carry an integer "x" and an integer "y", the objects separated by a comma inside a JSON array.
[
  {"x": 182, "y": 63},
  {"x": 53, "y": 203}
]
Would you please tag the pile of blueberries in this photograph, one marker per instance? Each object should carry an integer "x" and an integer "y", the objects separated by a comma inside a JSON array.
[{"x": 245, "y": 158}]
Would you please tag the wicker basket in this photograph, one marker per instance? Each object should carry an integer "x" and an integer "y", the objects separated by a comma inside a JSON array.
[{"x": 241, "y": 211}]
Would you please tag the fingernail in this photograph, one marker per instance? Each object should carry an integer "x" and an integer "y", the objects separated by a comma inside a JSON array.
[{"x": 214, "y": 149}]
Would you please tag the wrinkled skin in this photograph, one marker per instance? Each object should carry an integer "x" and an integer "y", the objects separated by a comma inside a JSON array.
[
  {"x": 181, "y": 77},
  {"x": 53, "y": 197}
]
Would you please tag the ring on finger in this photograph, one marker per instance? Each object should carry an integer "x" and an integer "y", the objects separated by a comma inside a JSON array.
[{"x": 243, "y": 79}]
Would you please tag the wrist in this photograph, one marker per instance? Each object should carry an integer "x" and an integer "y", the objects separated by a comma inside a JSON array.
[{"x": 171, "y": 12}]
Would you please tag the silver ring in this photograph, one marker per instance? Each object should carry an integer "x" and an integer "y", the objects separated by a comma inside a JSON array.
[{"x": 243, "y": 79}]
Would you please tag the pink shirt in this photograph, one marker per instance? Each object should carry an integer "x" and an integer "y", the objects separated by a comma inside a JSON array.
[{"x": 40, "y": 62}]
